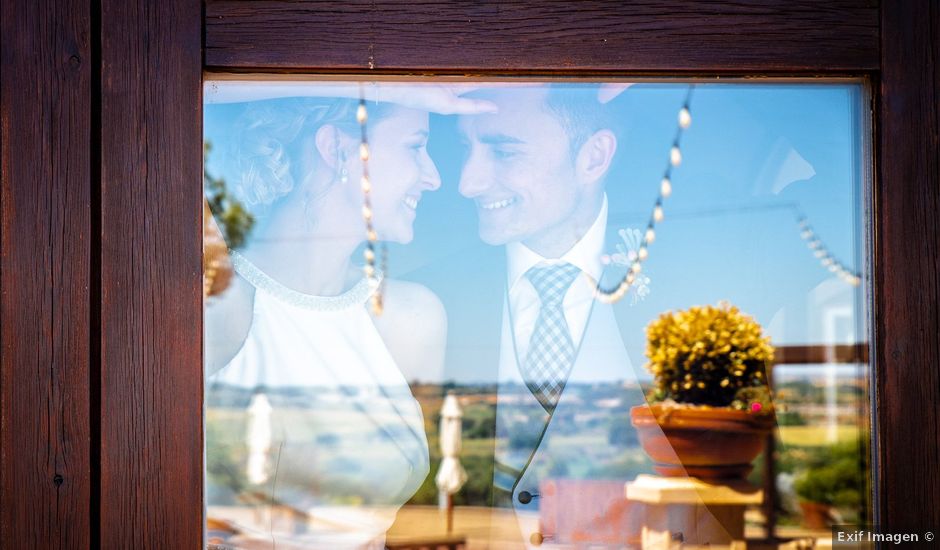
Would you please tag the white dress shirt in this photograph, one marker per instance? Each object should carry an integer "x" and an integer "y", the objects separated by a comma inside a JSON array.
[{"x": 524, "y": 299}]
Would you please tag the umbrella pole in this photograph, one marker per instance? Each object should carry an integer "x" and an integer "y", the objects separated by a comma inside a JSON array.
[{"x": 450, "y": 513}]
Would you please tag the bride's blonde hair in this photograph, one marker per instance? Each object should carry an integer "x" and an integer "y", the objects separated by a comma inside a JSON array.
[{"x": 264, "y": 158}]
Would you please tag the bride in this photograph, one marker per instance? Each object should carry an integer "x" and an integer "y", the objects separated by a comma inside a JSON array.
[{"x": 314, "y": 439}]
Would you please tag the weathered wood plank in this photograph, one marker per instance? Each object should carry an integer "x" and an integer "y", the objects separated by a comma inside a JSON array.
[
  {"x": 907, "y": 263},
  {"x": 458, "y": 36},
  {"x": 45, "y": 95},
  {"x": 151, "y": 275}
]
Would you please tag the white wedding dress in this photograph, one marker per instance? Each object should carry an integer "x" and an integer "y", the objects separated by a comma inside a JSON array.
[{"x": 314, "y": 439}]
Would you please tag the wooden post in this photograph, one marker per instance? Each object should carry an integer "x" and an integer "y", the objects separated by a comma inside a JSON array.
[{"x": 450, "y": 514}]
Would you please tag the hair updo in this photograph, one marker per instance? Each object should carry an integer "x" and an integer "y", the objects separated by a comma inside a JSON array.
[{"x": 264, "y": 157}]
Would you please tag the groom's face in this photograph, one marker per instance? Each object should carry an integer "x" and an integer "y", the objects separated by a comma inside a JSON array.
[{"x": 519, "y": 168}]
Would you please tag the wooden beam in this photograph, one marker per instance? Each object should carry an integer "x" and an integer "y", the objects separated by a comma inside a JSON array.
[
  {"x": 151, "y": 274},
  {"x": 907, "y": 268},
  {"x": 45, "y": 94},
  {"x": 818, "y": 354},
  {"x": 470, "y": 36}
]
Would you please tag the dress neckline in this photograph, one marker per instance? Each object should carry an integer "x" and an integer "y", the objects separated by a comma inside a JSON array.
[{"x": 356, "y": 296}]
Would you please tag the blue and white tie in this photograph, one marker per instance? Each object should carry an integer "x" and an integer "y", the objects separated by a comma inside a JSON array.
[{"x": 551, "y": 351}]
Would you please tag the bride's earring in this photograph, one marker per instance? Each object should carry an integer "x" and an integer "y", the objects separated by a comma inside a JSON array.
[{"x": 343, "y": 172}]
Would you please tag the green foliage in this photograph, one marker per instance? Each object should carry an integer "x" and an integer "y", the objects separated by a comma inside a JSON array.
[
  {"x": 234, "y": 220},
  {"x": 835, "y": 476},
  {"x": 222, "y": 464},
  {"x": 520, "y": 438},
  {"x": 790, "y": 418},
  {"x": 477, "y": 491},
  {"x": 479, "y": 423}
]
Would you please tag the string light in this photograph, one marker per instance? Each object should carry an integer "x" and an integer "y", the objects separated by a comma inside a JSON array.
[
  {"x": 675, "y": 155},
  {"x": 611, "y": 295},
  {"x": 362, "y": 116},
  {"x": 665, "y": 188},
  {"x": 685, "y": 118},
  {"x": 822, "y": 252}
]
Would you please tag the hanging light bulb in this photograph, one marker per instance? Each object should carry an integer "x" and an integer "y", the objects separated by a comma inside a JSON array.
[
  {"x": 643, "y": 253},
  {"x": 675, "y": 156},
  {"x": 665, "y": 188},
  {"x": 658, "y": 213},
  {"x": 364, "y": 152},
  {"x": 361, "y": 115},
  {"x": 685, "y": 118},
  {"x": 650, "y": 235}
]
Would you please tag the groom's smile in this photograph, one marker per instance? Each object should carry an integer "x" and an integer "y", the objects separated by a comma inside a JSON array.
[{"x": 519, "y": 169}]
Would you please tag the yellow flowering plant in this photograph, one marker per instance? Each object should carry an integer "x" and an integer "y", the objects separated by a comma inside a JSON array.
[{"x": 709, "y": 355}]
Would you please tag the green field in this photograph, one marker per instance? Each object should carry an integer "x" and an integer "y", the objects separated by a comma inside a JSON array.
[{"x": 816, "y": 436}]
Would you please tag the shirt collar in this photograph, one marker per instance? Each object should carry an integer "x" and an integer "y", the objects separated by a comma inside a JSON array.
[{"x": 585, "y": 254}]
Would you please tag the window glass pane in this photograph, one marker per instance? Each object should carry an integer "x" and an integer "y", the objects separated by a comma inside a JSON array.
[{"x": 514, "y": 314}]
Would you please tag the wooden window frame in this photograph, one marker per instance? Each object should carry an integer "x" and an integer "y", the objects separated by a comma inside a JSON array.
[{"x": 101, "y": 382}]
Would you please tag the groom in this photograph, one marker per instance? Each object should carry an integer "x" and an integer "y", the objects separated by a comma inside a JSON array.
[{"x": 537, "y": 172}]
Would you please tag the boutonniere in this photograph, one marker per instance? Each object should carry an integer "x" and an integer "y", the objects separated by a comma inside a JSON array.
[{"x": 626, "y": 253}]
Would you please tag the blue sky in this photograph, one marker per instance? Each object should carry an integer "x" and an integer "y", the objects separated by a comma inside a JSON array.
[{"x": 754, "y": 156}]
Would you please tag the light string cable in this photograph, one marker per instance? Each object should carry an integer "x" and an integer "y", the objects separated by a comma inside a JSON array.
[
  {"x": 617, "y": 292},
  {"x": 806, "y": 232},
  {"x": 822, "y": 253},
  {"x": 376, "y": 280}
]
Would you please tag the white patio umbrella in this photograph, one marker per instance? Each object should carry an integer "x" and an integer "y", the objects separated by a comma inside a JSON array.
[
  {"x": 259, "y": 438},
  {"x": 451, "y": 476}
]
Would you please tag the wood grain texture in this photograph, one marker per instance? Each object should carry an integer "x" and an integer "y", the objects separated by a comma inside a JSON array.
[
  {"x": 151, "y": 278},
  {"x": 907, "y": 263},
  {"x": 459, "y": 36},
  {"x": 44, "y": 272},
  {"x": 818, "y": 354}
]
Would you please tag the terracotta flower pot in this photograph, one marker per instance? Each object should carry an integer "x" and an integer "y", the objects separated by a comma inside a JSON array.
[{"x": 708, "y": 443}]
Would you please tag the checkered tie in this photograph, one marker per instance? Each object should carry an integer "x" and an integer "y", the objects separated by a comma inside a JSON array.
[{"x": 551, "y": 351}]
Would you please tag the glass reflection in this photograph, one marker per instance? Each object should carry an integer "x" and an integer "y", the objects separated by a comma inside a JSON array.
[
  {"x": 502, "y": 205},
  {"x": 328, "y": 429}
]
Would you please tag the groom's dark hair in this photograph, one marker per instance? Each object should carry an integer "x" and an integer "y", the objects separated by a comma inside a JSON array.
[{"x": 578, "y": 109}]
